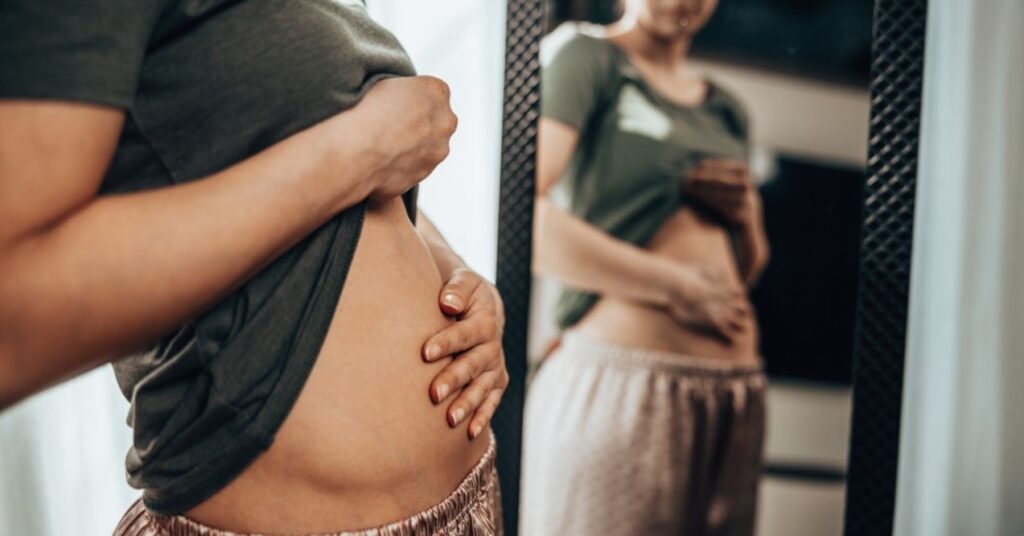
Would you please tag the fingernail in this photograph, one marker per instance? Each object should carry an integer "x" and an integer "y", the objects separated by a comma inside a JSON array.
[
  {"x": 457, "y": 415},
  {"x": 433, "y": 351},
  {"x": 476, "y": 430},
  {"x": 441, "y": 392},
  {"x": 451, "y": 300}
]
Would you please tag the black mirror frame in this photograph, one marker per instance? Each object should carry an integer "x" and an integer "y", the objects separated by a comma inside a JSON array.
[{"x": 886, "y": 245}]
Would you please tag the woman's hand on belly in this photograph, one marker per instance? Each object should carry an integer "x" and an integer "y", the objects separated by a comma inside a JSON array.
[
  {"x": 702, "y": 308},
  {"x": 474, "y": 340},
  {"x": 363, "y": 445},
  {"x": 705, "y": 313},
  {"x": 706, "y": 298}
]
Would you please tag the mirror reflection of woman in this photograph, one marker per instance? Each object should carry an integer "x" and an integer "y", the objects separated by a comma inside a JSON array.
[{"x": 648, "y": 417}]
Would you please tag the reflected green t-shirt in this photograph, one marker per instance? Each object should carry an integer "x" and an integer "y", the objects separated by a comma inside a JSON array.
[{"x": 626, "y": 175}]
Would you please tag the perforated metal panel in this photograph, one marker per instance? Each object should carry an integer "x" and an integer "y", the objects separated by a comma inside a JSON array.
[
  {"x": 880, "y": 339},
  {"x": 515, "y": 230}
]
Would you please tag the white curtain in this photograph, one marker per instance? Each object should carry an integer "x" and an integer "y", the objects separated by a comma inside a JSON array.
[
  {"x": 62, "y": 460},
  {"x": 62, "y": 452},
  {"x": 463, "y": 43},
  {"x": 961, "y": 466}
]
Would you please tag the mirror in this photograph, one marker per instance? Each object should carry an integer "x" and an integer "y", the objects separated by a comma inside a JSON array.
[{"x": 700, "y": 178}]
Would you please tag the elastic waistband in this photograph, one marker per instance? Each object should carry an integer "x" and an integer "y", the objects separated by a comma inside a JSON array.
[
  {"x": 585, "y": 348},
  {"x": 140, "y": 522},
  {"x": 442, "y": 514}
]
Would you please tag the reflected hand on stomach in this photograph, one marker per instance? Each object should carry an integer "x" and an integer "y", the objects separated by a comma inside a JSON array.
[
  {"x": 713, "y": 320},
  {"x": 364, "y": 445}
]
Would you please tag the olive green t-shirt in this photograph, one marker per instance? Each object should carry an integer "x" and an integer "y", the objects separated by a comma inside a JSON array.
[
  {"x": 635, "y": 146},
  {"x": 204, "y": 85}
]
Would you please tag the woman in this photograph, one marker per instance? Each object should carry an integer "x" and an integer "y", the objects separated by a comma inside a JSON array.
[
  {"x": 196, "y": 182},
  {"x": 648, "y": 418}
]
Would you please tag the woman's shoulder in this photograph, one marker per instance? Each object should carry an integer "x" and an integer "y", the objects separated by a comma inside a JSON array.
[
  {"x": 731, "y": 105},
  {"x": 723, "y": 94},
  {"x": 577, "y": 42}
]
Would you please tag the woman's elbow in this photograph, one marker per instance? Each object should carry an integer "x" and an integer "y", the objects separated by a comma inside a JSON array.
[
  {"x": 757, "y": 266},
  {"x": 540, "y": 262},
  {"x": 7, "y": 373},
  {"x": 13, "y": 367}
]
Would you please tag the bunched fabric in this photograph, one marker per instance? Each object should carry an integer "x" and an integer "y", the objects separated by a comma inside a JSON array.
[
  {"x": 620, "y": 440},
  {"x": 473, "y": 509}
]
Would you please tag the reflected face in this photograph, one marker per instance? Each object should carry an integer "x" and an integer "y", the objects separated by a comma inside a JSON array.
[{"x": 673, "y": 19}]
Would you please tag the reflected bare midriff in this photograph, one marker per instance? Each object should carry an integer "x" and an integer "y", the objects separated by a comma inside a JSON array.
[
  {"x": 686, "y": 237},
  {"x": 364, "y": 445}
]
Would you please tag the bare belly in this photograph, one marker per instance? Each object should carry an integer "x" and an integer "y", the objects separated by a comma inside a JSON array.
[
  {"x": 686, "y": 237},
  {"x": 364, "y": 445}
]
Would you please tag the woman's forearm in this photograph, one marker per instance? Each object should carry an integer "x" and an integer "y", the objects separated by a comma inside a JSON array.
[
  {"x": 576, "y": 253},
  {"x": 444, "y": 256},
  {"x": 580, "y": 255},
  {"x": 123, "y": 270},
  {"x": 753, "y": 247}
]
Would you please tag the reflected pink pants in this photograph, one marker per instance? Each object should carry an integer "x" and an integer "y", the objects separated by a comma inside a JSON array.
[{"x": 620, "y": 441}]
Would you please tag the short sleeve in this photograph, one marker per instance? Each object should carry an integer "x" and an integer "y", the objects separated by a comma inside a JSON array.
[
  {"x": 575, "y": 81},
  {"x": 735, "y": 113},
  {"x": 742, "y": 120},
  {"x": 83, "y": 50}
]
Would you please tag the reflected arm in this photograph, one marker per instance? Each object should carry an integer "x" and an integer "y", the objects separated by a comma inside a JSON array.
[
  {"x": 752, "y": 242},
  {"x": 575, "y": 252}
]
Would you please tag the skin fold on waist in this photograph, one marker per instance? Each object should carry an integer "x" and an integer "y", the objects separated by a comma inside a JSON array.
[
  {"x": 364, "y": 445},
  {"x": 686, "y": 237}
]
